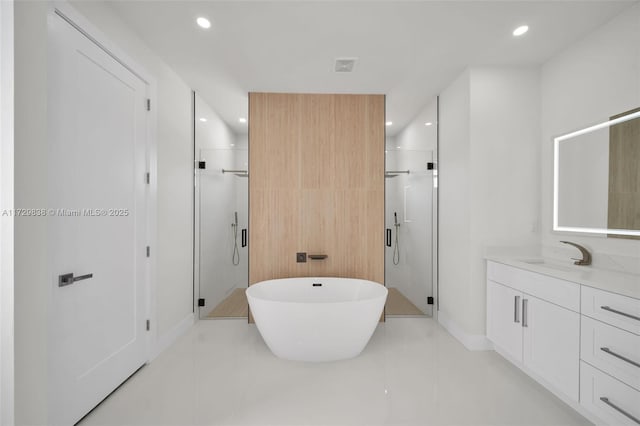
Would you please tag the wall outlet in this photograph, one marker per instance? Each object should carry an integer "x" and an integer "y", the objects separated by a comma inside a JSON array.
[{"x": 301, "y": 257}]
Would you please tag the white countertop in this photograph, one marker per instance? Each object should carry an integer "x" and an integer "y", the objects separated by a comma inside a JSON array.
[{"x": 616, "y": 282}]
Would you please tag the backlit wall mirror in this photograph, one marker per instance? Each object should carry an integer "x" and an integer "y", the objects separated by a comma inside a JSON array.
[{"x": 596, "y": 184}]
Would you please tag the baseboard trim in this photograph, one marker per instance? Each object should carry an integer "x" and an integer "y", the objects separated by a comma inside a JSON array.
[
  {"x": 168, "y": 338},
  {"x": 473, "y": 342}
]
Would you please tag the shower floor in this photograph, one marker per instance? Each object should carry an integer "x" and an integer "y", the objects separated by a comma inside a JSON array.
[
  {"x": 398, "y": 304},
  {"x": 234, "y": 306}
]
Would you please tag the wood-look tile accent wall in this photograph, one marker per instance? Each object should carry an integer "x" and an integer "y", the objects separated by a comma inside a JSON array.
[
  {"x": 624, "y": 175},
  {"x": 316, "y": 185}
]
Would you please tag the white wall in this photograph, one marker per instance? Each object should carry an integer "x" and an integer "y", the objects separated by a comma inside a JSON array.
[
  {"x": 218, "y": 197},
  {"x": 31, "y": 289},
  {"x": 6, "y": 221},
  {"x": 412, "y": 149},
  {"x": 488, "y": 181},
  {"x": 174, "y": 301},
  {"x": 585, "y": 84},
  {"x": 454, "y": 202}
]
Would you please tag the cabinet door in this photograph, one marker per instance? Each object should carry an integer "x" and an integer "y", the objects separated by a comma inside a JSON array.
[
  {"x": 551, "y": 346},
  {"x": 504, "y": 328}
]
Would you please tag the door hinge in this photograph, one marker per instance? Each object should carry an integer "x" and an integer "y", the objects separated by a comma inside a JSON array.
[
  {"x": 148, "y": 104},
  {"x": 429, "y": 300},
  {"x": 200, "y": 302},
  {"x": 148, "y": 325},
  {"x": 148, "y": 251},
  {"x": 147, "y": 178},
  {"x": 202, "y": 164}
]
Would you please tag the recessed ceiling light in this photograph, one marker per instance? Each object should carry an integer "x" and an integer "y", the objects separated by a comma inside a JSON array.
[
  {"x": 398, "y": 147},
  {"x": 242, "y": 120},
  {"x": 203, "y": 119},
  {"x": 520, "y": 30},
  {"x": 428, "y": 123},
  {"x": 232, "y": 144},
  {"x": 203, "y": 22},
  {"x": 389, "y": 123}
]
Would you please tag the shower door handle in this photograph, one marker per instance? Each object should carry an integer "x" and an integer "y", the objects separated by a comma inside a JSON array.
[
  {"x": 244, "y": 237},
  {"x": 388, "y": 237}
]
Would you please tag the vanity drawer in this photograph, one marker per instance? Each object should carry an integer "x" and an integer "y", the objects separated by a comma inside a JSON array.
[
  {"x": 611, "y": 400},
  {"x": 612, "y": 350},
  {"x": 615, "y": 309},
  {"x": 554, "y": 290}
]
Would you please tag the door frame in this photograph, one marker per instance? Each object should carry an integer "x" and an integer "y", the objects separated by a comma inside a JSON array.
[
  {"x": 6, "y": 222},
  {"x": 83, "y": 25}
]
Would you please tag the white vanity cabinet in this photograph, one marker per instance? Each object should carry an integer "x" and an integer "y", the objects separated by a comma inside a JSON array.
[
  {"x": 504, "y": 327},
  {"x": 580, "y": 339},
  {"x": 534, "y": 320},
  {"x": 551, "y": 344},
  {"x": 610, "y": 356}
]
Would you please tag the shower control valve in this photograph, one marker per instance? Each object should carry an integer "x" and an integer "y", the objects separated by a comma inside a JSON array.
[{"x": 301, "y": 257}]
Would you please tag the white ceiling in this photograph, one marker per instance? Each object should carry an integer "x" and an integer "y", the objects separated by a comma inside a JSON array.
[{"x": 409, "y": 50}]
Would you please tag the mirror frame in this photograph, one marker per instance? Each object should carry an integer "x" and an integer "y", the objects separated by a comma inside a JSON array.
[{"x": 556, "y": 167}]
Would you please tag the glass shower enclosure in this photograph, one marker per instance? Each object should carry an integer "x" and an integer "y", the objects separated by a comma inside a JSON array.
[
  {"x": 410, "y": 217},
  {"x": 221, "y": 216}
]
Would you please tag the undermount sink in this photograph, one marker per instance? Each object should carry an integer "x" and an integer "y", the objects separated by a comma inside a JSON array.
[{"x": 546, "y": 264}]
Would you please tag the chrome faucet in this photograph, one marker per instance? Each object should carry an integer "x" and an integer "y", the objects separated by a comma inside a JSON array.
[{"x": 586, "y": 256}]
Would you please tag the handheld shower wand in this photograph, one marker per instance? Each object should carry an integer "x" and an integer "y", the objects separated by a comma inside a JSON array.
[
  {"x": 396, "y": 247},
  {"x": 235, "y": 258}
]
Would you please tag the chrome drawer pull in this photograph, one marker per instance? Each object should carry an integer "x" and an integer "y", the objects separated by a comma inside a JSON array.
[
  {"x": 620, "y": 410},
  {"x": 525, "y": 312},
  {"x": 516, "y": 309},
  {"x": 606, "y": 308},
  {"x": 610, "y": 352}
]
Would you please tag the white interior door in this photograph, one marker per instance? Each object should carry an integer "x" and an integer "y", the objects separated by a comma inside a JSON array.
[{"x": 97, "y": 223}]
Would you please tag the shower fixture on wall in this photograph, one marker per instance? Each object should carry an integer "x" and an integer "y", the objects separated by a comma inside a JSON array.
[
  {"x": 394, "y": 173},
  {"x": 396, "y": 247},
  {"x": 240, "y": 173},
  {"x": 235, "y": 258}
]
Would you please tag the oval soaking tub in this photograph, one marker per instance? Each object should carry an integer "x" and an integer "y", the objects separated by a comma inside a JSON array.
[{"x": 316, "y": 319}]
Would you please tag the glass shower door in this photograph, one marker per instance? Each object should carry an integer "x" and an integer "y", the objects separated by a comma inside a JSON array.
[
  {"x": 221, "y": 219},
  {"x": 409, "y": 216}
]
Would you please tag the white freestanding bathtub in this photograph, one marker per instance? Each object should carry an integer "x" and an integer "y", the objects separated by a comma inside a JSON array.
[{"x": 316, "y": 319}]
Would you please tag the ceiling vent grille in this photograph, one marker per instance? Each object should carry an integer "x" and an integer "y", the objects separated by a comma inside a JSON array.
[{"x": 345, "y": 64}]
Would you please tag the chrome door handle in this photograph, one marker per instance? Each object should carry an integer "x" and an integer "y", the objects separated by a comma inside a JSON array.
[
  {"x": 525, "y": 312},
  {"x": 68, "y": 279},
  {"x": 620, "y": 410},
  {"x": 624, "y": 358},
  {"x": 615, "y": 311},
  {"x": 516, "y": 309}
]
